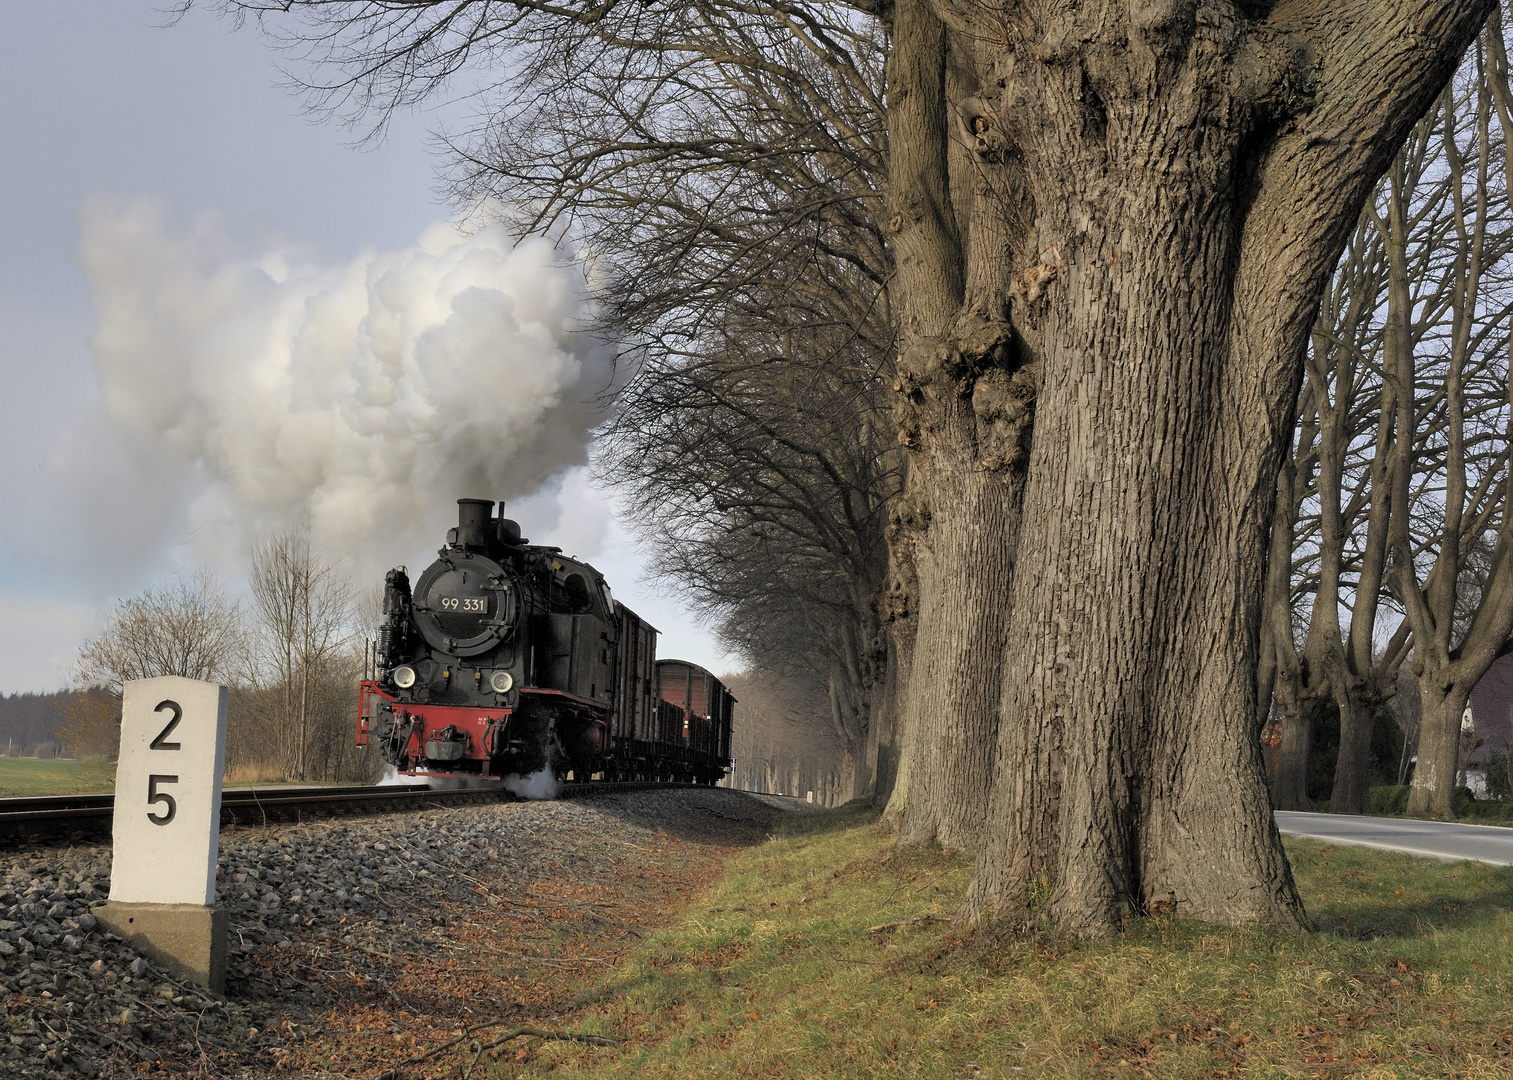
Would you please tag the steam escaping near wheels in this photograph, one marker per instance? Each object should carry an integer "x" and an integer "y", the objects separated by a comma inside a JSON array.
[
  {"x": 393, "y": 778},
  {"x": 536, "y": 786}
]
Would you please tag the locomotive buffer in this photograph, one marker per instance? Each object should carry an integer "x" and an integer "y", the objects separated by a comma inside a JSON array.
[{"x": 166, "y": 827}]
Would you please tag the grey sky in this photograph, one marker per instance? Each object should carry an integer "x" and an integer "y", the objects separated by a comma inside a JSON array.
[{"x": 100, "y": 96}]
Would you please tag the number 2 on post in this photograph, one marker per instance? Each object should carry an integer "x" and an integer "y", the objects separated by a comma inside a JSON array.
[{"x": 178, "y": 714}]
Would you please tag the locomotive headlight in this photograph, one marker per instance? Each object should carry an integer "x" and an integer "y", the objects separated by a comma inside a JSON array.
[
  {"x": 501, "y": 681},
  {"x": 404, "y": 676}
]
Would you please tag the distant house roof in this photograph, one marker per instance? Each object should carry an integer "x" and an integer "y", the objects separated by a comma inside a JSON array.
[{"x": 1492, "y": 709}]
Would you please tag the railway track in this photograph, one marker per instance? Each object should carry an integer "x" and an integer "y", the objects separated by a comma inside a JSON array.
[{"x": 57, "y": 819}]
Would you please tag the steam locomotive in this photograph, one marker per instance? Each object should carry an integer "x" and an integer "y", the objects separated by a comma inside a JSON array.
[{"x": 508, "y": 658}]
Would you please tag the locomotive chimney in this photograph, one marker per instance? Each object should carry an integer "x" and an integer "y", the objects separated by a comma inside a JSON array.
[{"x": 474, "y": 517}]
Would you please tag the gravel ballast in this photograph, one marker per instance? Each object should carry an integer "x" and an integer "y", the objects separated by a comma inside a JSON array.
[{"x": 356, "y": 943}]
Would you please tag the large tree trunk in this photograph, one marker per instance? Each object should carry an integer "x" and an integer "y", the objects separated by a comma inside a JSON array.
[
  {"x": 1433, "y": 792},
  {"x": 1352, "y": 774},
  {"x": 1130, "y": 773},
  {"x": 1190, "y": 236},
  {"x": 1287, "y": 774},
  {"x": 951, "y": 705},
  {"x": 964, "y": 411}
]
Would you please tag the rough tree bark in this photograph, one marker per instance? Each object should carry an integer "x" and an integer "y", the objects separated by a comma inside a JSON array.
[
  {"x": 965, "y": 394},
  {"x": 1195, "y": 169}
]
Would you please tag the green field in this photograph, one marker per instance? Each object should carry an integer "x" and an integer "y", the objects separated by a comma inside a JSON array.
[
  {"x": 55, "y": 776},
  {"x": 62, "y": 776},
  {"x": 786, "y": 968}
]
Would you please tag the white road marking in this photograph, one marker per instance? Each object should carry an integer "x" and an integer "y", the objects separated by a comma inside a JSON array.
[{"x": 1436, "y": 839}]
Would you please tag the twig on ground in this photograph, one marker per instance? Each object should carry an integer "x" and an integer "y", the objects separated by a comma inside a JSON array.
[
  {"x": 1228, "y": 1049},
  {"x": 517, "y": 1033},
  {"x": 754, "y": 1048},
  {"x": 880, "y": 927}
]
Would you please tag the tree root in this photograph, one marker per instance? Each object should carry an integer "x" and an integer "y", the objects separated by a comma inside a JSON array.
[{"x": 520, "y": 1032}]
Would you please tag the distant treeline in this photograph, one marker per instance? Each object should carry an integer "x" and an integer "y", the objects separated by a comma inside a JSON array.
[
  {"x": 30, "y": 724},
  {"x": 780, "y": 744}
]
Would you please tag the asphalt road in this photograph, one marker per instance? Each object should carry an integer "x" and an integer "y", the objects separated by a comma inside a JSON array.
[{"x": 1438, "y": 839}]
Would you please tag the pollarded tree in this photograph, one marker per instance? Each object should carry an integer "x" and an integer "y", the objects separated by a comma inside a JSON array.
[
  {"x": 1330, "y": 538},
  {"x": 1335, "y": 489},
  {"x": 1195, "y": 169},
  {"x": 1443, "y": 248}
]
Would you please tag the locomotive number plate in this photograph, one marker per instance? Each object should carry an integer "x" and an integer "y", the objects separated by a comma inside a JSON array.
[{"x": 465, "y": 603}]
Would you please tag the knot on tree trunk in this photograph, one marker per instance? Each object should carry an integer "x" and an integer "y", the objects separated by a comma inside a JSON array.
[
  {"x": 1004, "y": 404},
  {"x": 979, "y": 366},
  {"x": 981, "y": 129},
  {"x": 907, "y": 514},
  {"x": 1030, "y": 285},
  {"x": 1275, "y": 73},
  {"x": 908, "y": 519}
]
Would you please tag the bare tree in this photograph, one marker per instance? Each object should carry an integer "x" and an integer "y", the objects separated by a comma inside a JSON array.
[
  {"x": 303, "y": 608},
  {"x": 1337, "y": 514},
  {"x": 1330, "y": 538},
  {"x": 186, "y": 627},
  {"x": 762, "y": 481},
  {"x": 1464, "y": 503},
  {"x": 724, "y": 172}
]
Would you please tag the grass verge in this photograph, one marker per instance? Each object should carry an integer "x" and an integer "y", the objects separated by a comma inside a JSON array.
[
  {"x": 773, "y": 972},
  {"x": 1393, "y": 802},
  {"x": 55, "y": 776}
]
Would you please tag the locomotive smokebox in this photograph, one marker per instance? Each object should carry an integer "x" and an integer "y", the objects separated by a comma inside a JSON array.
[{"x": 474, "y": 519}]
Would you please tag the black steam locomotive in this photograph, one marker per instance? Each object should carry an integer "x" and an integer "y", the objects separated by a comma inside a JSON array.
[{"x": 508, "y": 658}]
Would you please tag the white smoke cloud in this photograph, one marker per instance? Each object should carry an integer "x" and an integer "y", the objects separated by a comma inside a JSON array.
[{"x": 262, "y": 385}]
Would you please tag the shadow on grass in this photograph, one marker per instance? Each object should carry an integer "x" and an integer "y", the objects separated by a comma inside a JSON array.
[
  {"x": 1413, "y": 920},
  {"x": 1362, "y": 893},
  {"x": 801, "y": 823},
  {"x": 718, "y": 816}
]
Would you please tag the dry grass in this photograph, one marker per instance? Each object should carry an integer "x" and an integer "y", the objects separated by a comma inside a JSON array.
[
  {"x": 253, "y": 773},
  {"x": 773, "y": 973}
]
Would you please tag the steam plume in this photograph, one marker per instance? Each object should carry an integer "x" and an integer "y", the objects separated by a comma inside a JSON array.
[{"x": 360, "y": 397}]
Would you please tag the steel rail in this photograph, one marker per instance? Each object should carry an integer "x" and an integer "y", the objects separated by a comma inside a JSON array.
[{"x": 51, "y": 819}]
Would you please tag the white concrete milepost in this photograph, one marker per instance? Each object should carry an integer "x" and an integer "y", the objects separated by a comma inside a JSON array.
[{"x": 166, "y": 828}]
